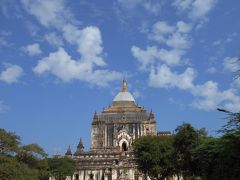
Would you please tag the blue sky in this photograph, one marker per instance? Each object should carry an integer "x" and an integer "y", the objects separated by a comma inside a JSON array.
[{"x": 62, "y": 60}]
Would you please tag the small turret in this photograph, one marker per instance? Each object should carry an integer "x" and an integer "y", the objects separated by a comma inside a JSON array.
[
  {"x": 69, "y": 151},
  {"x": 80, "y": 148},
  {"x": 95, "y": 116},
  {"x": 151, "y": 115}
]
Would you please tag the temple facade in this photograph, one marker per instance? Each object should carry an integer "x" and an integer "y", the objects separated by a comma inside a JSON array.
[{"x": 113, "y": 132}]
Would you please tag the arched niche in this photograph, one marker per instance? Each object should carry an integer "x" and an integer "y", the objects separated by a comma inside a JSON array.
[{"x": 124, "y": 145}]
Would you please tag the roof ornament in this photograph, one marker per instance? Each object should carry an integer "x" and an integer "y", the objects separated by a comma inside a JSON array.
[
  {"x": 95, "y": 116},
  {"x": 69, "y": 151},
  {"x": 151, "y": 115},
  {"x": 124, "y": 86},
  {"x": 80, "y": 148},
  {"x": 80, "y": 145}
]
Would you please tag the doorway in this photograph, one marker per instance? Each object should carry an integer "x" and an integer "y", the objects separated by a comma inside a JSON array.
[{"x": 124, "y": 146}]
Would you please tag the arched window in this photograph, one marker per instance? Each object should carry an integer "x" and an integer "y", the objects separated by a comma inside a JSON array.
[{"x": 124, "y": 146}]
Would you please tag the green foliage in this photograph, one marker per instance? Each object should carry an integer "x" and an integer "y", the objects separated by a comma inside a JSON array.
[
  {"x": 61, "y": 167},
  {"x": 186, "y": 140},
  {"x": 218, "y": 158},
  {"x": 154, "y": 156},
  {"x": 9, "y": 142},
  {"x": 35, "y": 150},
  {"x": 21, "y": 162},
  {"x": 207, "y": 157},
  {"x": 29, "y": 162},
  {"x": 34, "y": 157},
  {"x": 233, "y": 123},
  {"x": 231, "y": 154},
  {"x": 11, "y": 169}
]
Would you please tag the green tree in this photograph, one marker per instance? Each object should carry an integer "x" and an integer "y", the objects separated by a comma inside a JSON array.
[
  {"x": 9, "y": 142},
  {"x": 219, "y": 158},
  {"x": 154, "y": 156},
  {"x": 186, "y": 140},
  {"x": 61, "y": 167},
  {"x": 233, "y": 123},
  {"x": 208, "y": 159},
  {"x": 35, "y": 158},
  {"x": 21, "y": 162},
  {"x": 11, "y": 169},
  {"x": 231, "y": 154}
]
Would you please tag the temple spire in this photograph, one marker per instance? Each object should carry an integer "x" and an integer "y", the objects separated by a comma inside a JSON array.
[
  {"x": 95, "y": 116},
  {"x": 80, "y": 145},
  {"x": 69, "y": 151},
  {"x": 151, "y": 115},
  {"x": 80, "y": 148},
  {"x": 124, "y": 86}
]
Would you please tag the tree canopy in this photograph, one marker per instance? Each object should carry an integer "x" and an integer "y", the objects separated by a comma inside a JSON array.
[
  {"x": 61, "y": 167},
  {"x": 153, "y": 155},
  {"x": 191, "y": 154},
  {"x": 21, "y": 162},
  {"x": 9, "y": 142}
]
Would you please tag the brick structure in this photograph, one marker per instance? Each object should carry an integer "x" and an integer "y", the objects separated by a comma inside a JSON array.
[{"x": 113, "y": 132}]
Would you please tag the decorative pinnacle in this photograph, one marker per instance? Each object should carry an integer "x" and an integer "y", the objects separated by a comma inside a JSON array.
[
  {"x": 151, "y": 114},
  {"x": 95, "y": 115},
  {"x": 69, "y": 152},
  {"x": 80, "y": 148},
  {"x": 80, "y": 144},
  {"x": 124, "y": 86}
]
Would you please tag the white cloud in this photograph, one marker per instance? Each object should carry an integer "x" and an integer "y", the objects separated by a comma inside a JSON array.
[
  {"x": 49, "y": 13},
  {"x": 67, "y": 69},
  {"x": 54, "y": 39},
  {"x": 11, "y": 74},
  {"x": 87, "y": 40},
  {"x": 89, "y": 43},
  {"x": 211, "y": 70},
  {"x": 183, "y": 27},
  {"x": 183, "y": 4},
  {"x": 162, "y": 27},
  {"x": 145, "y": 57},
  {"x": 200, "y": 8},
  {"x": 178, "y": 41},
  {"x": 151, "y": 6},
  {"x": 208, "y": 96},
  {"x": 153, "y": 55},
  {"x": 175, "y": 37},
  {"x": 172, "y": 36},
  {"x": 236, "y": 83},
  {"x": 196, "y": 9},
  {"x": 231, "y": 64},
  {"x": 159, "y": 31},
  {"x": 164, "y": 77},
  {"x": 211, "y": 97},
  {"x": 32, "y": 49}
]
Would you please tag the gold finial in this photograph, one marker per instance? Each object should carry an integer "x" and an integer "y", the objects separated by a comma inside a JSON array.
[{"x": 124, "y": 86}]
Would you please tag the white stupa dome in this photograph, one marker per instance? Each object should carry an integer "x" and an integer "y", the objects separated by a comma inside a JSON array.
[{"x": 124, "y": 95}]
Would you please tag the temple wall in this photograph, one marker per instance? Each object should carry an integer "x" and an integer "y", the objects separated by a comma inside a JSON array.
[{"x": 115, "y": 174}]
